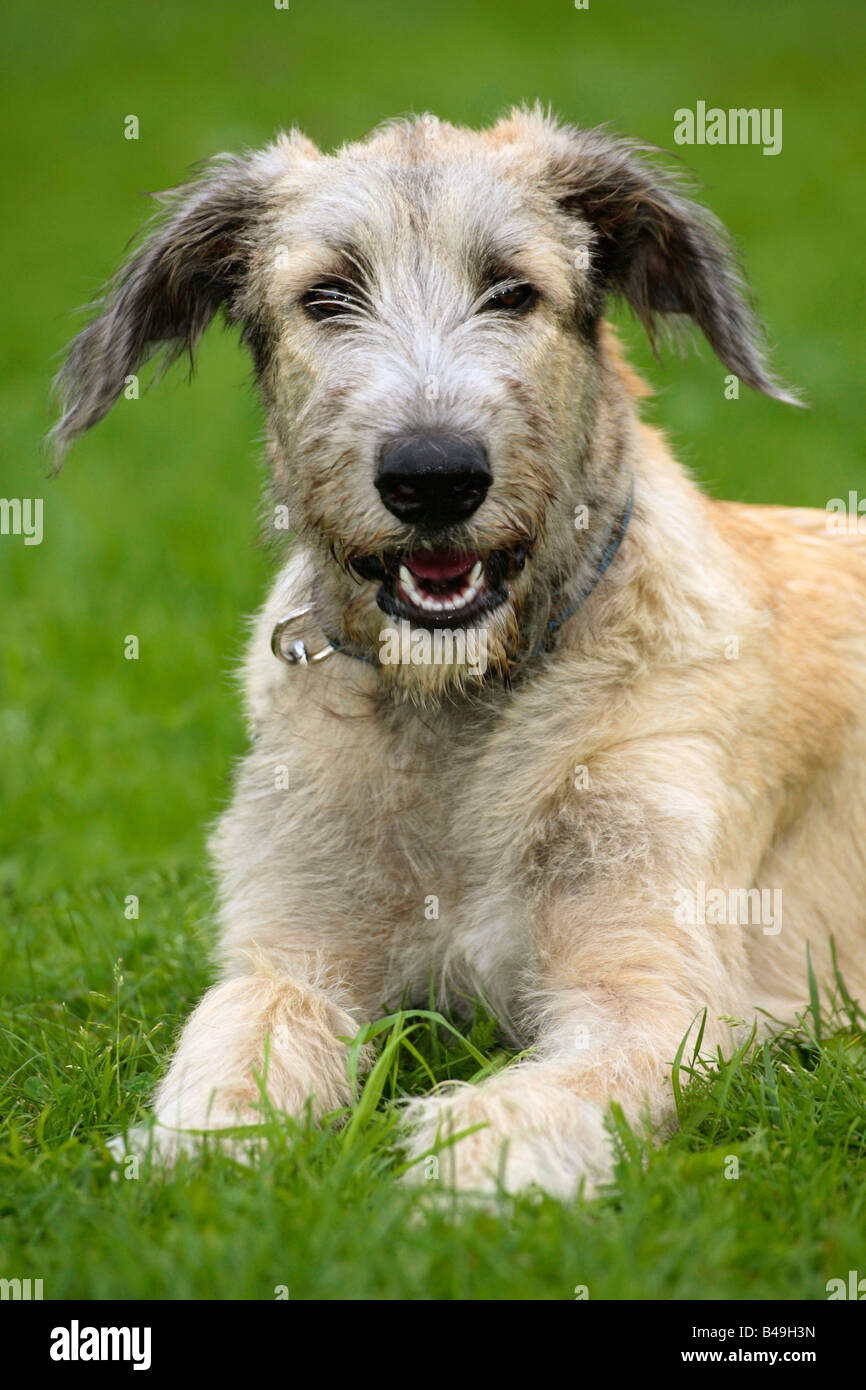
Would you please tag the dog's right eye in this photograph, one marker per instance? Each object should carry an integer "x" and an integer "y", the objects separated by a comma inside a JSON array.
[{"x": 328, "y": 300}]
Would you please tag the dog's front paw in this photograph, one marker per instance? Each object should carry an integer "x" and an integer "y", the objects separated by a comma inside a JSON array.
[
  {"x": 162, "y": 1145},
  {"x": 511, "y": 1134},
  {"x": 256, "y": 1048},
  {"x": 148, "y": 1143}
]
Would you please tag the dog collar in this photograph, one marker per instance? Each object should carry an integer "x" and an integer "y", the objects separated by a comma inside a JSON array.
[
  {"x": 294, "y": 652},
  {"x": 605, "y": 559}
]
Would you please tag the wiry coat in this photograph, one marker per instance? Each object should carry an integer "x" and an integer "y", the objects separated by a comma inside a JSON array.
[{"x": 700, "y": 718}]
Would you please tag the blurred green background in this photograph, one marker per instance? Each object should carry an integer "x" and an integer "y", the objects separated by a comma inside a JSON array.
[{"x": 112, "y": 768}]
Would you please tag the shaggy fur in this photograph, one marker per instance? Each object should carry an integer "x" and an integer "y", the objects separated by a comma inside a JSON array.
[{"x": 699, "y": 719}]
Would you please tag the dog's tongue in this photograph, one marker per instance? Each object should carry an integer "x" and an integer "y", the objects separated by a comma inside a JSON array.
[{"x": 439, "y": 565}]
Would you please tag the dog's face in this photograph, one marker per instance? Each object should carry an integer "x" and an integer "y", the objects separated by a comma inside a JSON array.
[
  {"x": 424, "y": 312},
  {"x": 430, "y": 328}
]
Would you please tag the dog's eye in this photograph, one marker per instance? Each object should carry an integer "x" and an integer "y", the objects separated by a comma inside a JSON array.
[
  {"x": 512, "y": 299},
  {"x": 328, "y": 300}
]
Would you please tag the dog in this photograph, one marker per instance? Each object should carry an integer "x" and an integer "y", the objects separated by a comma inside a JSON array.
[{"x": 663, "y": 726}]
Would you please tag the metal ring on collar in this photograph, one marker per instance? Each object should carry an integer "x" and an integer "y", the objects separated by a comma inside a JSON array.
[{"x": 296, "y": 653}]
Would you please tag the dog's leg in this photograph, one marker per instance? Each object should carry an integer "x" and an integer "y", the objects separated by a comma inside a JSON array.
[
  {"x": 615, "y": 998},
  {"x": 265, "y": 1033}
]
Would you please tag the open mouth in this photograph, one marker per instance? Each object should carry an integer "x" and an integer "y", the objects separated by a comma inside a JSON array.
[{"x": 441, "y": 588}]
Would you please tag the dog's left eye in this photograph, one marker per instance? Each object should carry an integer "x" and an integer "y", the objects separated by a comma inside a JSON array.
[
  {"x": 512, "y": 299},
  {"x": 328, "y": 300}
]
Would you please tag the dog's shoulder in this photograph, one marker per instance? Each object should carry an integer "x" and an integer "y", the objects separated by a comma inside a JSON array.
[{"x": 791, "y": 546}]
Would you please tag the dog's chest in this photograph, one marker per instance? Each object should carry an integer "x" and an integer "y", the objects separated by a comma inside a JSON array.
[
  {"x": 422, "y": 829},
  {"x": 452, "y": 850}
]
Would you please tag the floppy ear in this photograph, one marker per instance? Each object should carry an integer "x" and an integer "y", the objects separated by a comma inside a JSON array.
[
  {"x": 660, "y": 250},
  {"x": 192, "y": 262}
]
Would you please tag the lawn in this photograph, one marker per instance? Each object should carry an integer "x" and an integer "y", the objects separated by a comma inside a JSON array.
[{"x": 112, "y": 770}]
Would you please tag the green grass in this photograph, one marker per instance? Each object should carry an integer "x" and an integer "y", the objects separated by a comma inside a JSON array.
[
  {"x": 322, "y": 1211},
  {"x": 111, "y": 770}
]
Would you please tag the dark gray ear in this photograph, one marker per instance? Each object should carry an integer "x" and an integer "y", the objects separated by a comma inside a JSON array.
[
  {"x": 192, "y": 262},
  {"x": 660, "y": 250}
]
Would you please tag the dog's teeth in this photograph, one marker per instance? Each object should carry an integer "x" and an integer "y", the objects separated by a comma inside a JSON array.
[
  {"x": 409, "y": 587},
  {"x": 464, "y": 598},
  {"x": 428, "y": 603}
]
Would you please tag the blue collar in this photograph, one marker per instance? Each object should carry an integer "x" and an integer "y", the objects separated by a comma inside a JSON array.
[{"x": 608, "y": 554}]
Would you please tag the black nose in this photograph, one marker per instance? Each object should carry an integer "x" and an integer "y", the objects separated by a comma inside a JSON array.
[{"x": 433, "y": 479}]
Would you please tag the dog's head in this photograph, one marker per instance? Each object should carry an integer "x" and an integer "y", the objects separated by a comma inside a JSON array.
[{"x": 424, "y": 313}]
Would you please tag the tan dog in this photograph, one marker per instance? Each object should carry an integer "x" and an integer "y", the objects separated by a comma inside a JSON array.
[{"x": 638, "y": 791}]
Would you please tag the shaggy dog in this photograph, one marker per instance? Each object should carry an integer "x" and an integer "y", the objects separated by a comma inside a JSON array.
[{"x": 624, "y": 803}]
